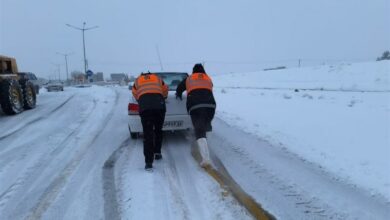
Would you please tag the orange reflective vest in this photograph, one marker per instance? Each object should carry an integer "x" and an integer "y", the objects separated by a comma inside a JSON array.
[
  {"x": 149, "y": 83},
  {"x": 198, "y": 81}
]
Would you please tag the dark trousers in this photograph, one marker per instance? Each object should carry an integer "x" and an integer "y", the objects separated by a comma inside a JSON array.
[
  {"x": 201, "y": 119},
  {"x": 152, "y": 123}
]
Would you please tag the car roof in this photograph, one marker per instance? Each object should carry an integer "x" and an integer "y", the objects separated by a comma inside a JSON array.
[
  {"x": 26, "y": 73},
  {"x": 171, "y": 72}
]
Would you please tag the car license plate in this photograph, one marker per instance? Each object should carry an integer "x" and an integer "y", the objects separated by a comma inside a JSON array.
[{"x": 173, "y": 123}]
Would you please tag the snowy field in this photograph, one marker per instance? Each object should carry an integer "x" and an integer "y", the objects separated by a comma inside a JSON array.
[
  {"x": 320, "y": 152},
  {"x": 338, "y": 118}
]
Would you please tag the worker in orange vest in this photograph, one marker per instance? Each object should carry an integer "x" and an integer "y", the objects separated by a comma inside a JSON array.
[
  {"x": 150, "y": 91},
  {"x": 200, "y": 105}
]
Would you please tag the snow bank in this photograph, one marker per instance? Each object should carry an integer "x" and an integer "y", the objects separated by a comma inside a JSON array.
[
  {"x": 360, "y": 76},
  {"x": 326, "y": 121}
]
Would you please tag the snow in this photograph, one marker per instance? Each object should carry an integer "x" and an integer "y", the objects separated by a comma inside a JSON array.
[
  {"x": 326, "y": 121},
  {"x": 305, "y": 143},
  {"x": 72, "y": 158},
  {"x": 356, "y": 77},
  {"x": 176, "y": 189}
]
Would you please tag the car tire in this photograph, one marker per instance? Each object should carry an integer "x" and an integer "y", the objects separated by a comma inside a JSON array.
[{"x": 133, "y": 135}]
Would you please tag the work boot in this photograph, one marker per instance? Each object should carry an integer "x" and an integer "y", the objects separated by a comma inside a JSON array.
[
  {"x": 204, "y": 152},
  {"x": 149, "y": 167},
  {"x": 157, "y": 156}
]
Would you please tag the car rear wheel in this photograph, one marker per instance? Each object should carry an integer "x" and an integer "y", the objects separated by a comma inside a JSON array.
[{"x": 133, "y": 135}]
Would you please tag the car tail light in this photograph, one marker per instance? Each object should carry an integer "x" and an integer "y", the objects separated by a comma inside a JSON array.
[{"x": 133, "y": 109}]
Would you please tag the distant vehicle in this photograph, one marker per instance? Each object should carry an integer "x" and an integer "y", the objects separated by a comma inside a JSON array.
[
  {"x": 130, "y": 85},
  {"x": 16, "y": 93},
  {"x": 54, "y": 86},
  {"x": 32, "y": 78},
  {"x": 131, "y": 82},
  {"x": 176, "y": 117}
]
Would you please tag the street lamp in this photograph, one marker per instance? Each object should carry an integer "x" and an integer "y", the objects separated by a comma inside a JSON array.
[
  {"x": 66, "y": 63},
  {"x": 83, "y": 30},
  {"x": 59, "y": 70}
]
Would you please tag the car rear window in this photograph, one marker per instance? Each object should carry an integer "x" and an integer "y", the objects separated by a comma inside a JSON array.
[
  {"x": 32, "y": 77},
  {"x": 172, "y": 79}
]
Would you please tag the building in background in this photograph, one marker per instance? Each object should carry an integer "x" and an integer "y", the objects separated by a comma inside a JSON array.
[
  {"x": 98, "y": 77},
  {"x": 120, "y": 78}
]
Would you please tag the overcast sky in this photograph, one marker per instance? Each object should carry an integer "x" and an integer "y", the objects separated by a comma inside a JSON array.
[{"x": 227, "y": 35}]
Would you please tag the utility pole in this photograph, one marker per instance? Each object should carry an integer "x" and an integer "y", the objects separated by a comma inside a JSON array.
[
  {"x": 299, "y": 63},
  {"x": 66, "y": 64},
  {"x": 159, "y": 58},
  {"x": 59, "y": 70},
  {"x": 83, "y": 30}
]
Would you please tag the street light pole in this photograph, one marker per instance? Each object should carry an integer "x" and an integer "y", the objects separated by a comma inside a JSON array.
[
  {"x": 66, "y": 64},
  {"x": 83, "y": 30},
  {"x": 59, "y": 70},
  {"x": 85, "y": 56}
]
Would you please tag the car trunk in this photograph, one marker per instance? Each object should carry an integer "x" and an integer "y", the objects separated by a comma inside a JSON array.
[{"x": 175, "y": 106}]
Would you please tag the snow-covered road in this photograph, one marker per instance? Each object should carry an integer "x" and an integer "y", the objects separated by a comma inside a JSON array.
[
  {"x": 52, "y": 156},
  {"x": 177, "y": 189},
  {"x": 72, "y": 158},
  {"x": 287, "y": 185}
]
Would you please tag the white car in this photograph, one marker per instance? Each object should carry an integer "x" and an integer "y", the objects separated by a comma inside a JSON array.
[
  {"x": 176, "y": 116},
  {"x": 55, "y": 86}
]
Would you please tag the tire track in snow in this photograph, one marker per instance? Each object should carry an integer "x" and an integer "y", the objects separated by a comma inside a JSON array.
[
  {"x": 21, "y": 127},
  {"x": 33, "y": 171},
  {"x": 163, "y": 197},
  {"x": 278, "y": 179},
  {"x": 170, "y": 172},
  {"x": 181, "y": 172},
  {"x": 111, "y": 206},
  {"x": 176, "y": 189},
  {"x": 59, "y": 182},
  {"x": 12, "y": 153},
  {"x": 222, "y": 176},
  {"x": 303, "y": 204}
]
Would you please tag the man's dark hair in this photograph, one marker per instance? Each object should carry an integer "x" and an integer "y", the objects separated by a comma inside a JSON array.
[{"x": 198, "y": 68}]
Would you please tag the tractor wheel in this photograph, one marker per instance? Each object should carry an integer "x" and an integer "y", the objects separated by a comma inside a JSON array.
[
  {"x": 29, "y": 95},
  {"x": 11, "y": 97}
]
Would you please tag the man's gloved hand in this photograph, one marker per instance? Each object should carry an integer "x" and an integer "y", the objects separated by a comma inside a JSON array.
[{"x": 179, "y": 96}]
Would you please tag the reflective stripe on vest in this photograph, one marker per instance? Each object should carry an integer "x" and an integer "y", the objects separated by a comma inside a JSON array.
[
  {"x": 201, "y": 106},
  {"x": 146, "y": 84},
  {"x": 198, "y": 81}
]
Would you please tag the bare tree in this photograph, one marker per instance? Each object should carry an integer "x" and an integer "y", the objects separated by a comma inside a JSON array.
[{"x": 385, "y": 56}]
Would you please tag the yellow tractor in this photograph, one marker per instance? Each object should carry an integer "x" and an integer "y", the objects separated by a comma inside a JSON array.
[{"x": 16, "y": 92}]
